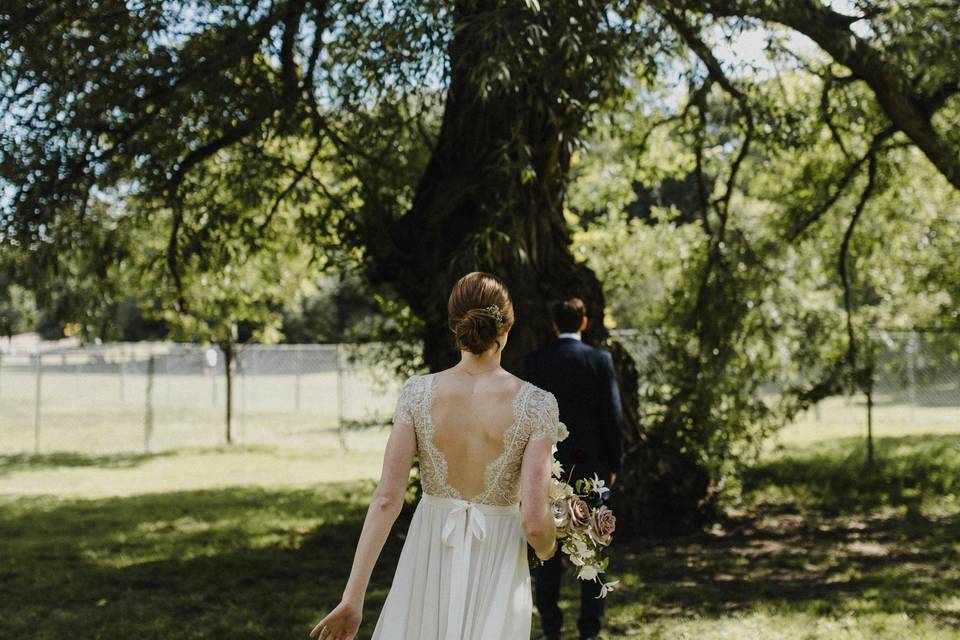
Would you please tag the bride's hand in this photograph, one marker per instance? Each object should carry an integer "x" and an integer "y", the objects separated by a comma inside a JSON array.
[
  {"x": 552, "y": 552},
  {"x": 342, "y": 623}
]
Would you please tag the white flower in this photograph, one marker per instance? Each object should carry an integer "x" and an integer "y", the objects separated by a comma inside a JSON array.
[
  {"x": 557, "y": 470},
  {"x": 582, "y": 549},
  {"x": 589, "y": 572},
  {"x": 571, "y": 551},
  {"x": 598, "y": 485},
  {"x": 607, "y": 587},
  {"x": 557, "y": 491},
  {"x": 563, "y": 432}
]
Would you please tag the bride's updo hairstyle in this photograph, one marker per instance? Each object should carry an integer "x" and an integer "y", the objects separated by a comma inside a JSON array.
[{"x": 473, "y": 309}]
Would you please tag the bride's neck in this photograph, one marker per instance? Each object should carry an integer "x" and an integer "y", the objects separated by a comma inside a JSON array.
[{"x": 485, "y": 361}]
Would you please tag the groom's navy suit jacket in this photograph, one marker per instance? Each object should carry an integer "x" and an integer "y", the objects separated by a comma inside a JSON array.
[{"x": 582, "y": 379}]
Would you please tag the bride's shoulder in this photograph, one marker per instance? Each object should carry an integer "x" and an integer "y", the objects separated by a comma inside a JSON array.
[
  {"x": 541, "y": 404},
  {"x": 543, "y": 413},
  {"x": 540, "y": 393},
  {"x": 413, "y": 383}
]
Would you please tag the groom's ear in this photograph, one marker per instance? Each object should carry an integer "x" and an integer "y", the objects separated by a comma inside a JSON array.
[{"x": 583, "y": 324}]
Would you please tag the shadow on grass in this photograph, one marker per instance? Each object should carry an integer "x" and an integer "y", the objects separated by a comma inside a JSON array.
[
  {"x": 776, "y": 560},
  {"x": 238, "y": 563},
  {"x": 23, "y": 462},
  {"x": 33, "y": 462},
  {"x": 249, "y": 563},
  {"x": 832, "y": 475},
  {"x": 819, "y": 536}
]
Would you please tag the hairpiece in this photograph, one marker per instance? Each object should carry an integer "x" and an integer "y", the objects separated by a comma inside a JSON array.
[{"x": 495, "y": 310}]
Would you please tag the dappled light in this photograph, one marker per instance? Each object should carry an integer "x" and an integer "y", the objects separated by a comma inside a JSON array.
[
  {"x": 713, "y": 244},
  {"x": 816, "y": 540}
]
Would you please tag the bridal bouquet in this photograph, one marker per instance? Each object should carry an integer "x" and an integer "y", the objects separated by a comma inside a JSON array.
[{"x": 583, "y": 531}]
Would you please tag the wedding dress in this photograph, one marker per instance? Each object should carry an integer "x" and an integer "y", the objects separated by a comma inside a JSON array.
[{"x": 463, "y": 573}]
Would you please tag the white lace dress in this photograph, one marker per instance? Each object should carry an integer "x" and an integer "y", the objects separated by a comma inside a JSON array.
[{"x": 463, "y": 572}]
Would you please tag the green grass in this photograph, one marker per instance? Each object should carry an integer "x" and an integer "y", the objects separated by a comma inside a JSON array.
[
  {"x": 914, "y": 473},
  {"x": 238, "y": 562},
  {"x": 68, "y": 476},
  {"x": 255, "y": 542},
  {"x": 846, "y": 417},
  {"x": 821, "y": 548}
]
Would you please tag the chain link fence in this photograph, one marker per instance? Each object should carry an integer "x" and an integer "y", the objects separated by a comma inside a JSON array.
[
  {"x": 156, "y": 396},
  {"x": 150, "y": 397},
  {"x": 916, "y": 378},
  {"x": 916, "y": 386}
]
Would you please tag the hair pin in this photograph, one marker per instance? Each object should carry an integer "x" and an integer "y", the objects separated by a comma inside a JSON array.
[{"x": 495, "y": 310}]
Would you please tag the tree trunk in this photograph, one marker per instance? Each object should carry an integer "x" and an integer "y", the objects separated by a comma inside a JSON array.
[{"x": 473, "y": 211}]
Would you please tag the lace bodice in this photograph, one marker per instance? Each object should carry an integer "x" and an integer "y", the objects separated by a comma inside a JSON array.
[{"x": 535, "y": 415}]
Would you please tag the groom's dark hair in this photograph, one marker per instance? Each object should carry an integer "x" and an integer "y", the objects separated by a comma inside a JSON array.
[{"x": 567, "y": 314}]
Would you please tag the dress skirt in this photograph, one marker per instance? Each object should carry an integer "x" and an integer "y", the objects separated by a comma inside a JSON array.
[{"x": 462, "y": 575}]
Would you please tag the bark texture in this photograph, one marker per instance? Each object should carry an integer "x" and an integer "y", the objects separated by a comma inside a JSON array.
[{"x": 474, "y": 211}]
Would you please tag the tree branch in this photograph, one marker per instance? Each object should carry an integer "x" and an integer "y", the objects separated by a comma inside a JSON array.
[
  {"x": 842, "y": 183},
  {"x": 297, "y": 178},
  {"x": 715, "y": 69},
  {"x": 844, "y": 255},
  {"x": 891, "y": 86}
]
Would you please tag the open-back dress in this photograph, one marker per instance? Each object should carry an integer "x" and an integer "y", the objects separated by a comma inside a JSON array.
[{"x": 463, "y": 573}]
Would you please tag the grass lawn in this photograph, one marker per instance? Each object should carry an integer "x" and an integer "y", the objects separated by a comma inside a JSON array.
[{"x": 255, "y": 542}]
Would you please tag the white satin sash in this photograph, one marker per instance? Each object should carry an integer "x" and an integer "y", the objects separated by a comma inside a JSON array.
[{"x": 465, "y": 522}]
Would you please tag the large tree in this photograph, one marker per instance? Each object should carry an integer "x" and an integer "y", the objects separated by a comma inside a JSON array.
[
  {"x": 522, "y": 85},
  {"x": 436, "y": 138}
]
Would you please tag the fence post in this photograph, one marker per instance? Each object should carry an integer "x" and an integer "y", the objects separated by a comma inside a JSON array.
[
  {"x": 242, "y": 377},
  {"x": 166, "y": 374},
  {"x": 296, "y": 385},
  {"x": 228, "y": 352},
  {"x": 213, "y": 387},
  {"x": 912, "y": 348},
  {"x": 122, "y": 368},
  {"x": 37, "y": 396},
  {"x": 341, "y": 434},
  {"x": 148, "y": 410}
]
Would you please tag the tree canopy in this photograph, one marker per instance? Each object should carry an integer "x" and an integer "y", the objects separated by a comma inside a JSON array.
[{"x": 165, "y": 146}]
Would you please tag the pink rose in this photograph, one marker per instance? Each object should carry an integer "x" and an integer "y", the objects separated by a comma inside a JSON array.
[
  {"x": 579, "y": 513},
  {"x": 602, "y": 525}
]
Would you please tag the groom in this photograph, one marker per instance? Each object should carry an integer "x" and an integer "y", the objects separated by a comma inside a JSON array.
[{"x": 582, "y": 379}]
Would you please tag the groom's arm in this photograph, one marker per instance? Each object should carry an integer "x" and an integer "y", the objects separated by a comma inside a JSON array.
[{"x": 611, "y": 414}]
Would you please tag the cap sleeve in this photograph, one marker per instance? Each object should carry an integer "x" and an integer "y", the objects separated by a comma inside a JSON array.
[
  {"x": 547, "y": 423},
  {"x": 404, "y": 409}
]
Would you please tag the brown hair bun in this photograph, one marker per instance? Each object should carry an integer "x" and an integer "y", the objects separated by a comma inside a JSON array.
[{"x": 475, "y": 326}]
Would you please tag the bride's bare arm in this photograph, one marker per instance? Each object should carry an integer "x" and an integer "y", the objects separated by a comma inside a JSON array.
[
  {"x": 538, "y": 524},
  {"x": 344, "y": 620}
]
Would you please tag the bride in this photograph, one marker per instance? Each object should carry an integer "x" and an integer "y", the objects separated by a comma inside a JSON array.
[{"x": 484, "y": 439}]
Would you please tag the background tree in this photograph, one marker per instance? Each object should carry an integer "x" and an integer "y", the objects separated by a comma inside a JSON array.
[
  {"x": 436, "y": 138},
  {"x": 773, "y": 282},
  {"x": 18, "y": 311}
]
